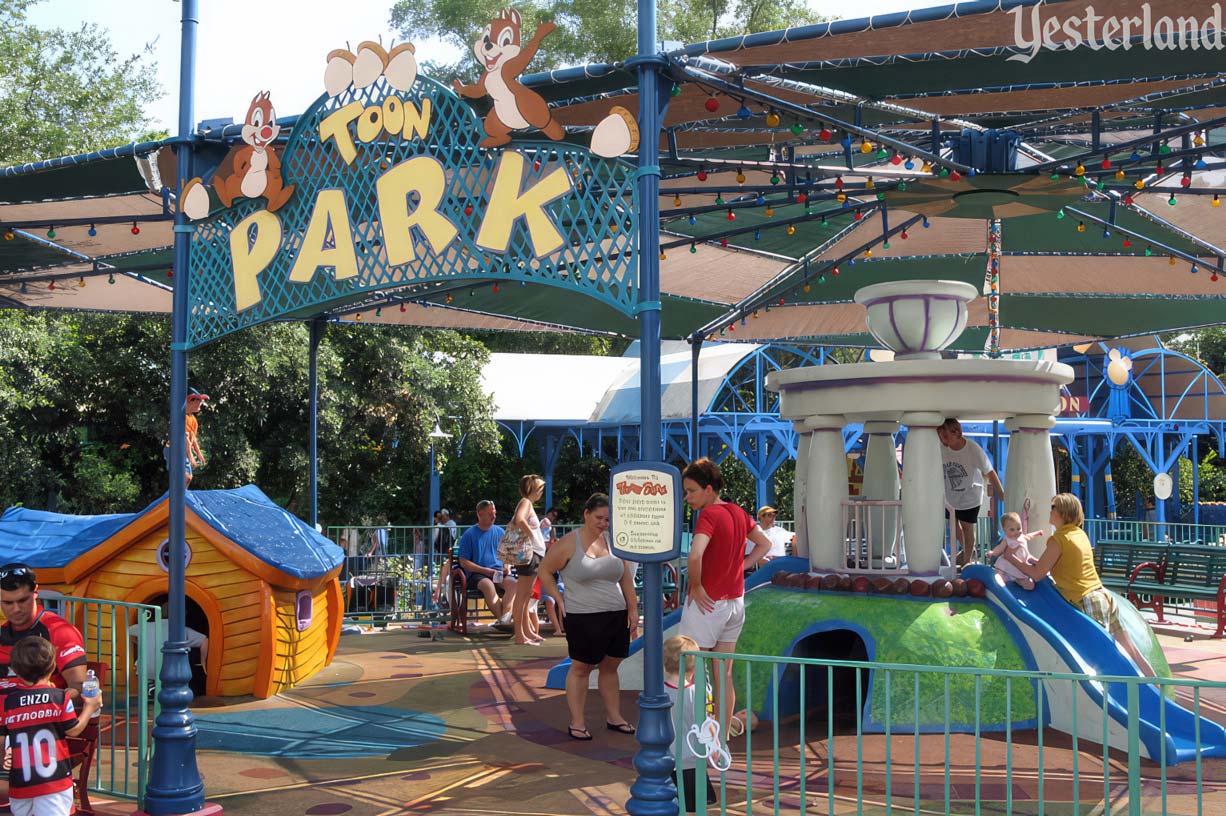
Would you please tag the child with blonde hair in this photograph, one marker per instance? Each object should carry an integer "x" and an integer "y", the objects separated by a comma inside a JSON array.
[
  {"x": 1014, "y": 542},
  {"x": 681, "y": 694}
]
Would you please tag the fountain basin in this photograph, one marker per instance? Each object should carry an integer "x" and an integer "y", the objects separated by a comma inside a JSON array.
[{"x": 916, "y": 318}]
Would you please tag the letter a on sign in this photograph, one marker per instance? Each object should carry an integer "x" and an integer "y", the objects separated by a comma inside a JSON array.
[{"x": 328, "y": 240}]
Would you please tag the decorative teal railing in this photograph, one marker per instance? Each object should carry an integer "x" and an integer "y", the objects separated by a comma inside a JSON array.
[
  {"x": 902, "y": 761},
  {"x": 1131, "y": 530},
  {"x": 121, "y": 761}
]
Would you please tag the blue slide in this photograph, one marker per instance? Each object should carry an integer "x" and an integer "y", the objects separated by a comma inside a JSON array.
[{"x": 1086, "y": 648}]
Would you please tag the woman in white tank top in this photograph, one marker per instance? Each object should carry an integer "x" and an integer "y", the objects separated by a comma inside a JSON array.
[{"x": 531, "y": 488}]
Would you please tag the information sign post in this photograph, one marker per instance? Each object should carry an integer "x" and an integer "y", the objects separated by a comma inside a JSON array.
[{"x": 645, "y": 515}]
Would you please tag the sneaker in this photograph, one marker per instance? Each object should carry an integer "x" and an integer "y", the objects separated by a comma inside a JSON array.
[{"x": 505, "y": 620}]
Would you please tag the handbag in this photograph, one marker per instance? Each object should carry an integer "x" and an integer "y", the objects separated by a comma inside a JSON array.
[{"x": 515, "y": 548}]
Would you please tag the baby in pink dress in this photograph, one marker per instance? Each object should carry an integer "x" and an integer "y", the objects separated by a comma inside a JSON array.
[{"x": 1014, "y": 540}]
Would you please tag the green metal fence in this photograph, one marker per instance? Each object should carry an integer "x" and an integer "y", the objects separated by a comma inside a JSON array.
[
  {"x": 929, "y": 746},
  {"x": 116, "y": 634},
  {"x": 397, "y": 573},
  {"x": 1131, "y": 530}
]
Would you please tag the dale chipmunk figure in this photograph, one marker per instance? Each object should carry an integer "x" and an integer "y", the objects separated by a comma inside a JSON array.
[
  {"x": 504, "y": 58},
  {"x": 249, "y": 170}
]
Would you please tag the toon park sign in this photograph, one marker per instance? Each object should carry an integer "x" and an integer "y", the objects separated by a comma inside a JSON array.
[{"x": 391, "y": 188}]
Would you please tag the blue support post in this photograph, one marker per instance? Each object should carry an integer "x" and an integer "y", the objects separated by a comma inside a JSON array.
[
  {"x": 653, "y": 792},
  {"x": 1195, "y": 482},
  {"x": 174, "y": 785},
  {"x": 435, "y": 501},
  {"x": 695, "y": 412},
  {"x": 317, "y": 333}
]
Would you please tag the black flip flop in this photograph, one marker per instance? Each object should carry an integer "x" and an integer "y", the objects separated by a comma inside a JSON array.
[
  {"x": 581, "y": 734},
  {"x": 621, "y": 728}
]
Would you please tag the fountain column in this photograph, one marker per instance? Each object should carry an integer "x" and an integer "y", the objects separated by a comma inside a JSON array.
[
  {"x": 800, "y": 496},
  {"x": 1032, "y": 472},
  {"x": 825, "y": 493},
  {"x": 881, "y": 482},
  {"x": 923, "y": 492}
]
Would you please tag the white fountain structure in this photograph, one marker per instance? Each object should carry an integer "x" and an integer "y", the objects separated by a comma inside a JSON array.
[{"x": 917, "y": 389}]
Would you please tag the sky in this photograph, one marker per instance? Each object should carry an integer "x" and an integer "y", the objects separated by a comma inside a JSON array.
[{"x": 247, "y": 46}]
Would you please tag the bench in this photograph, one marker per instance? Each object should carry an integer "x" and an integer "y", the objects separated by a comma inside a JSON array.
[
  {"x": 81, "y": 748},
  {"x": 1196, "y": 571},
  {"x": 1117, "y": 562}
]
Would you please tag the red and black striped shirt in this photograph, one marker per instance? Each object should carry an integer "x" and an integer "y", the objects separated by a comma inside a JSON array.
[{"x": 35, "y": 719}]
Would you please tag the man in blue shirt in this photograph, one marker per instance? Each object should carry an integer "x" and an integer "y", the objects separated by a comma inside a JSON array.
[{"x": 478, "y": 556}]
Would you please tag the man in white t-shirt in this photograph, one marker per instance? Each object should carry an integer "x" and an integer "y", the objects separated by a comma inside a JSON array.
[
  {"x": 967, "y": 468},
  {"x": 779, "y": 537}
]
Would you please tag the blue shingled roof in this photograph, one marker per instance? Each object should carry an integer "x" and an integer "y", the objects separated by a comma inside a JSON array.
[{"x": 243, "y": 515}]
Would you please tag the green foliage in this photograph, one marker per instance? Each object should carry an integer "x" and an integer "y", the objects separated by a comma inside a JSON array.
[
  {"x": 1206, "y": 345},
  {"x": 66, "y": 92},
  {"x": 83, "y": 413},
  {"x": 595, "y": 30}
]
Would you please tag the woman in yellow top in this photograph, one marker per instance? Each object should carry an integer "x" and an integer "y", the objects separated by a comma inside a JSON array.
[{"x": 1070, "y": 560}]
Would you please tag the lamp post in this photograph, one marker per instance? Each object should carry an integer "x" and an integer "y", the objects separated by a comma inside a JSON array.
[{"x": 437, "y": 434}]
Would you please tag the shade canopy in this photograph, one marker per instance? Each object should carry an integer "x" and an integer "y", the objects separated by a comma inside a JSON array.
[{"x": 1077, "y": 189}]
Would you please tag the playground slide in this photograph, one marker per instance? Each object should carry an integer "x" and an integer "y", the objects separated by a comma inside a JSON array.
[{"x": 1085, "y": 647}]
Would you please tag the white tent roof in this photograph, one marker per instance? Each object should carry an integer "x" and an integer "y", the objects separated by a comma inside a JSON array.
[{"x": 577, "y": 388}]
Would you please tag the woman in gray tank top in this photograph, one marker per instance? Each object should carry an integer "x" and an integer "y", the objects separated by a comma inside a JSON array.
[{"x": 600, "y": 613}]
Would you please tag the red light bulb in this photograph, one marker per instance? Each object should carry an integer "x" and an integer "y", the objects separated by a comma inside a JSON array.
[{"x": 712, "y": 104}]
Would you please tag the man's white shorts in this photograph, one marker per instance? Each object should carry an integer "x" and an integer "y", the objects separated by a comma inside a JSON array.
[
  {"x": 51, "y": 804},
  {"x": 722, "y": 624}
]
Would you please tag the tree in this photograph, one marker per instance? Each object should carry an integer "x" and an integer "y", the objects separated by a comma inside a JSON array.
[
  {"x": 66, "y": 92},
  {"x": 1207, "y": 345},
  {"x": 595, "y": 30}
]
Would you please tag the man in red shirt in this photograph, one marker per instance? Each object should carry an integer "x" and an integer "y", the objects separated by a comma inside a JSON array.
[
  {"x": 25, "y": 617},
  {"x": 715, "y": 608}
]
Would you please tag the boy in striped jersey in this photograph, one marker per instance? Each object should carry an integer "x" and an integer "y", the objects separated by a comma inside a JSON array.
[{"x": 36, "y": 717}]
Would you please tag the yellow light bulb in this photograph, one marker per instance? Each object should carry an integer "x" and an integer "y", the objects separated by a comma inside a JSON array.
[
  {"x": 1215, "y": 202},
  {"x": 927, "y": 168},
  {"x": 868, "y": 253},
  {"x": 792, "y": 227},
  {"x": 841, "y": 197},
  {"x": 769, "y": 212},
  {"x": 1171, "y": 260},
  {"x": 866, "y": 146},
  {"x": 1119, "y": 175},
  {"x": 676, "y": 201},
  {"x": 1080, "y": 171},
  {"x": 740, "y": 178},
  {"x": 772, "y": 119},
  {"x": 663, "y": 257},
  {"x": 868, "y": 185},
  {"x": 1140, "y": 185},
  {"x": 1198, "y": 141}
]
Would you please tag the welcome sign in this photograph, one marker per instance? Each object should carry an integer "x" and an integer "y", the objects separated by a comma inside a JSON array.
[{"x": 384, "y": 185}]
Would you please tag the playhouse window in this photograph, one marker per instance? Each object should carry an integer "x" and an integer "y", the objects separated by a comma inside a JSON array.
[
  {"x": 304, "y": 605},
  {"x": 163, "y": 555}
]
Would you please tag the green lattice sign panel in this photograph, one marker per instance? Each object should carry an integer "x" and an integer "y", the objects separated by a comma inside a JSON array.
[{"x": 386, "y": 194}]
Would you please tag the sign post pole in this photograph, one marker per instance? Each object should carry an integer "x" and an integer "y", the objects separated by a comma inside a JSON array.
[{"x": 645, "y": 510}]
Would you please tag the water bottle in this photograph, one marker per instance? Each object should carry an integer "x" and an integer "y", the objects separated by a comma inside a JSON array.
[{"x": 91, "y": 688}]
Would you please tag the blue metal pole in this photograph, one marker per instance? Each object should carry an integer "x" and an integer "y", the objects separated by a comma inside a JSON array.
[
  {"x": 434, "y": 488},
  {"x": 653, "y": 792},
  {"x": 174, "y": 780},
  {"x": 695, "y": 355},
  {"x": 317, "y": 333}
]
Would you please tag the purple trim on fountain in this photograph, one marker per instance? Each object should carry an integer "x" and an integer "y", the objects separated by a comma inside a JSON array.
[
  {"x": 904, "y": 380},
  {"x": 925, "y": 296},
  {"x": 927, "y": 324},
  {"x": 903, "y": 347}
]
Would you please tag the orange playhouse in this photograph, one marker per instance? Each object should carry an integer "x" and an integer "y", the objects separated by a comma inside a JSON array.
[{"x": 261, "y": 584}]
